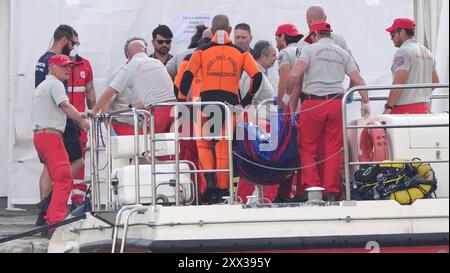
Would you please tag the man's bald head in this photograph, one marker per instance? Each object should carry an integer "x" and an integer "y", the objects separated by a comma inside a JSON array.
[
  {"x": 134, "y": 47},
  {"x": 316, "y": 13},
  {"x": 221, "y": 22}
]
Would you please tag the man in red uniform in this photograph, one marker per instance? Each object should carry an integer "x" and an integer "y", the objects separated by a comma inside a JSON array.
[
  {"x": 322, "y": 66},
  {"x": 50, "y": 110},
  {"x": 412, "y": 64},
  {"x": 81, "y": 92}
]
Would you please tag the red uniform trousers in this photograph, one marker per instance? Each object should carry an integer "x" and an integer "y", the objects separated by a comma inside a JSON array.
[
  {"x": 321, "y": 123},
  {"x": 50, "y": 148},
  {"x": 123, "y": 129},
  {"x": 416, "y": 108},
  {"x": 246, "y": 188}
]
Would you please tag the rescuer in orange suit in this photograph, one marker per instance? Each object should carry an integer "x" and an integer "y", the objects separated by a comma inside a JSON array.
[
  {"x": 189, "y": 149},
  {"x": 220, "y": 64}
]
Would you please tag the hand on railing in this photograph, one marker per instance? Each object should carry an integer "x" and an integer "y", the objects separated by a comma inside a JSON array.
[
  {"x": 85, "y": 124},
  {"x": 365, "y": 110}
]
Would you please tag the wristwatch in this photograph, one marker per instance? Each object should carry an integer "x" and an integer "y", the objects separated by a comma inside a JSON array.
[{"x": 388, "y": 107}]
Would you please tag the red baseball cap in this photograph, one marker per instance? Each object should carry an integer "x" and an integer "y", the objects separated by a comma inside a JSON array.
[
  {"x": 288, "y": 29},
  {"x": 402, "y": 23},
  {"x": 320, "y": 26},
  {"x": 60, "y": 60}
]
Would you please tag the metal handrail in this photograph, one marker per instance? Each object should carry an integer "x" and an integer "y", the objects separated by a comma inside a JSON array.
[
  {"x": 117, "y": 222},
  {"x": 384, "y": 98},
  {"x": 135, "y": 113},
  {"x": 345, "y": 99},
  {"x": 149, "y": 149},
  {"x": 229, "y": 132}
]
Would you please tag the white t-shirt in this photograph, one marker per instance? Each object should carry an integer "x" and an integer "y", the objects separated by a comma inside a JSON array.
[
  {"x": 46, "y": 113},
  {"x": 288, "y": 56},
  {"x": 420, "y": 64},
  {"x": 265, "y": 91},
  {"x": 146, "y": 77},
  {"x": 124, "y": 98},
  {"x": 328, "y": 64},
  {"x": 174, "y": 64}
]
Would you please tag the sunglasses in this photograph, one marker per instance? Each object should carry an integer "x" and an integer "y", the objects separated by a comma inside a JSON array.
[
  {"x": 393, "y": 33},
  {"x": 161, "y": 42}
]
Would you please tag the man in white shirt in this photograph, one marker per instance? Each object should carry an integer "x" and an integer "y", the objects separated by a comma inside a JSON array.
[
  {"x": 50, "y": 109},
  {"x": 322, "y": 66},
  {"x": 287, "y": 37},
  {"x": 413, "y": 64},
  {"x": 265, "y": 56},
  {"x": 148, "y": 79}
]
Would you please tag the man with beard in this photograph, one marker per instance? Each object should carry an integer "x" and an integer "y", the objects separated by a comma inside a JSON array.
[
  {"x": 413, "y": 64},
  {"x": 162, "y": 42},
  {"x": 81, "y": 93},
  {"x": 265, "y": 55}
]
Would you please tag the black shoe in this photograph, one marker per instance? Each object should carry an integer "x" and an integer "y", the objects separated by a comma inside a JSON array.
[
  {"x": 214, "y": 198},
  {"x": 221, "y": 194},
  {"x": 211, "y": 192},
  {"x": 279, "y": 200},
  {"x": 43, "y": 207},
  {"x": 40, "y": 221},
  {"x": 209, "y": 196}
]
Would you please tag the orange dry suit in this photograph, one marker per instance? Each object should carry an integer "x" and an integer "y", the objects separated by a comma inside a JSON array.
[
  {"x": 194, "y": 93},
  {"x": 220, "y": 65}
]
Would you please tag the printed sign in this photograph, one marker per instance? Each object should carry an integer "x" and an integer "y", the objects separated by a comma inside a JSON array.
[{"x": 184, "y": 25}]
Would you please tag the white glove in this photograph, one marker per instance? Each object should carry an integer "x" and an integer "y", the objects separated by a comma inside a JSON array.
[
  {"x": 286, "y": 99},
  {"x": 365, "y": 110}
]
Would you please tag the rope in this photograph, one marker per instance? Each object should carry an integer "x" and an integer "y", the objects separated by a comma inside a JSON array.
[
  {"x": 287, "y": 169},
  {"x": 42, "y": 229},
  {"x": 286, "y": 114}
]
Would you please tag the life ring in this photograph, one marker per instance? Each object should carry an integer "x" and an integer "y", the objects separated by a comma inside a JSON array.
[{"x": 373, "y": 144}]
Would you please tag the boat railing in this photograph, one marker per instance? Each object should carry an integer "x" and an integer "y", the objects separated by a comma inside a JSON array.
[
  {"x": 347, "y": 127},
  {"x": 140, "y": 120},
  {"x": 227, "y": 136}
]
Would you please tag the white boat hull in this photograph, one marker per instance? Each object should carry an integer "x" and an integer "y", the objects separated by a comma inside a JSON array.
[{"x": 300, "y": 227}]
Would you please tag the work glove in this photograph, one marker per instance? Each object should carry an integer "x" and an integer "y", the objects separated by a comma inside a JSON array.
[{"x": 365, "y": 110}]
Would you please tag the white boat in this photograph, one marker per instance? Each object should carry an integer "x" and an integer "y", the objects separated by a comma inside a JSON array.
[{"x": 141, "y": 224}]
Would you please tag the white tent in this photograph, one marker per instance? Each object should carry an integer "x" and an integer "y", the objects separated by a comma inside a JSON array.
[
  {"x": 433, "y": 25},
  {"x": 26, "y": 27}
]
